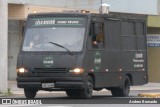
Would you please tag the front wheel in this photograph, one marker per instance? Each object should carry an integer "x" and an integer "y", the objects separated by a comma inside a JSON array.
[
  {"x": 72, "y": 93},
  {"x": 30, "y": 93},
  {"x": 87, "y": 91}
]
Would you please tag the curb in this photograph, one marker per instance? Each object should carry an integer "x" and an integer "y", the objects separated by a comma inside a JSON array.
[
  {"x": 149, "y": 95},
  {"x": 62, "y": 92},
  {"x": 18, "y": 92},
  {"x": 1, "y": 95}
]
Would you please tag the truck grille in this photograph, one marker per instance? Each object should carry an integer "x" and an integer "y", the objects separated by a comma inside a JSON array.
[{"x": 48, "y": 72}]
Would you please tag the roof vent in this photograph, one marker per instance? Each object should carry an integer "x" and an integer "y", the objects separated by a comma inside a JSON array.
[{"x": 104, "y": 8}]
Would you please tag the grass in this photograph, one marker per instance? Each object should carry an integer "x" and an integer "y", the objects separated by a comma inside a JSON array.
[{"x": 8, "y": 93}]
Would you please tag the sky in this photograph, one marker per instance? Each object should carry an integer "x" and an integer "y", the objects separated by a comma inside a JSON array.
[{"x": 127, "y": 6}]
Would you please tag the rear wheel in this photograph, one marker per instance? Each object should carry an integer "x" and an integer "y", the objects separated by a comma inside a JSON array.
[
  {"x": 122, "y": 91},
  {"x": 125, "y": 88},
  {"x": 30, "y": 93}
]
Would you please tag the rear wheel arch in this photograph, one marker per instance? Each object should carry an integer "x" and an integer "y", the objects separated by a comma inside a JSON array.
[{"x": 123, "y": 90}]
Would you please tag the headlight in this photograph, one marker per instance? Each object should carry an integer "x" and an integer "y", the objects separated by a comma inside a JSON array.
[
  {"x": 77, "y": 71},
  {"x": 21, "y": 70}
]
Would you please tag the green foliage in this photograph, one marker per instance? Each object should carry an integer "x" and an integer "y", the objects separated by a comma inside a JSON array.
[{"x": 8, "y": 93}]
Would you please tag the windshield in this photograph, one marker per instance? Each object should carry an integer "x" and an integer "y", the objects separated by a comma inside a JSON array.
[{"x": 67, "y": 32}]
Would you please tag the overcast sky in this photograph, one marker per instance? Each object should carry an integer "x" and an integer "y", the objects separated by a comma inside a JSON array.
[{"x": 129, "y": 6}]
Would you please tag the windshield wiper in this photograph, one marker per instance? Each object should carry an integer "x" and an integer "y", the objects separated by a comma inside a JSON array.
[{"x": 62, "y": 47}]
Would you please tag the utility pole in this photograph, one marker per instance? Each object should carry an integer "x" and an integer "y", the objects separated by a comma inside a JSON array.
[
  {"x": 3, "y": 46},
  {"x": 101, "y": 1}
]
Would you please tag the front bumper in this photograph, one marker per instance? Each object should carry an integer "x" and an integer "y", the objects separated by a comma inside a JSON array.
[{"x": 60, "y": 82}]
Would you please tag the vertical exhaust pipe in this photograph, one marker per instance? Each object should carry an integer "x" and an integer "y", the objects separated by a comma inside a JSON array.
[{"x": 104, "y": 8}]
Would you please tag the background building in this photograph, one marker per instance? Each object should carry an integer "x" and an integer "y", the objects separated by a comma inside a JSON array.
[
  {"x": 154, "y": 46},
  {"x": 19, "y": 9}
]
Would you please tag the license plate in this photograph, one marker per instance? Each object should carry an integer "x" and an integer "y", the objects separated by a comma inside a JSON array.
[{"x": 47, "y": 85}]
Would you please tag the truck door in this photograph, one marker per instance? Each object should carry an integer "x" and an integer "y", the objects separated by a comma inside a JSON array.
[{"x": 95, "y": 61}]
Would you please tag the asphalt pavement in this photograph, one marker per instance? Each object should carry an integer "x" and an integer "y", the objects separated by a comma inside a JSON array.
[
  {"x": 144, "y": 94},
  {"x": 151, "y": 86}
]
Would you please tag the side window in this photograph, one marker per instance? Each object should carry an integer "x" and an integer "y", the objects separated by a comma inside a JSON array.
[
  {"x": 128, "y": 35},
  {"x": 97, "y": 34},
  {"x": 140, "y": 36}
]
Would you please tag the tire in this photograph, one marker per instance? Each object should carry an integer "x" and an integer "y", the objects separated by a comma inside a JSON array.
[
  {"x": 115, "y": 92},
  {"x": 122, "y": 91},
  {"x": 72, "y": 93},
  {"x": 87, "y": 91},
  {"x": 30, "y": 93}
]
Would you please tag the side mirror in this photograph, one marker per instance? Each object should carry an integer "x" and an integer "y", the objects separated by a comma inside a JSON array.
[{"x": 23, "y": 27}]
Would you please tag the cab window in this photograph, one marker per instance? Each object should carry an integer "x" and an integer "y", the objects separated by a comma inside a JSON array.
[{"x": 97, "y": 35}]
